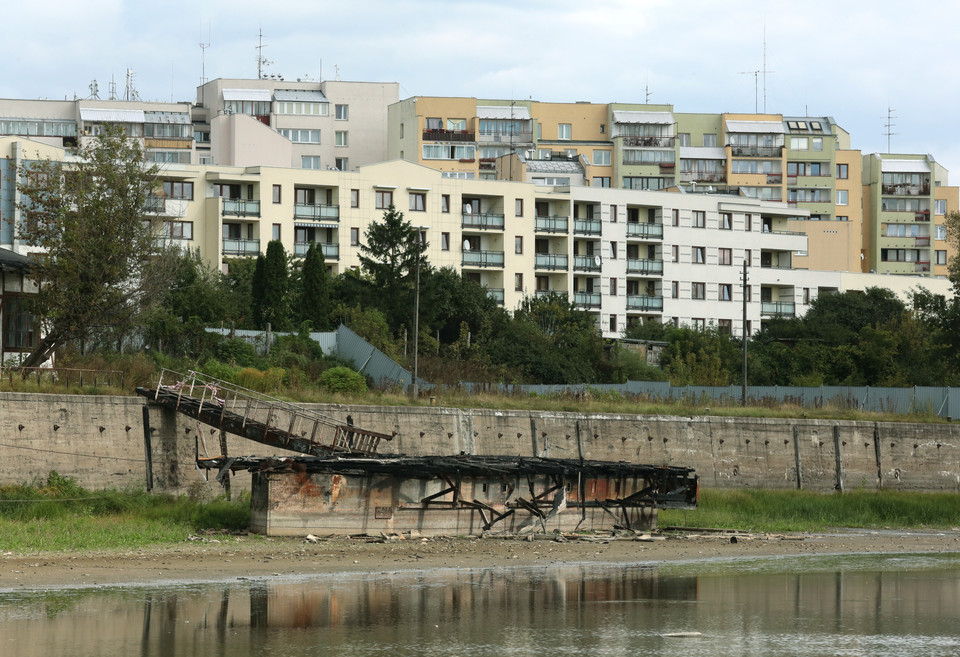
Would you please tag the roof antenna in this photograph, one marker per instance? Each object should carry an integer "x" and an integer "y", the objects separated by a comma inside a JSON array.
[
  {"x": 889, "y": 126},
  {"x": 203, "y": 54},
  {"x": 262, "y": 62}
]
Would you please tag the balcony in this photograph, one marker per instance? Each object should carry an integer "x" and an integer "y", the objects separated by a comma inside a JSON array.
[
  {"x": 554, "y": 224},
  {"x": 774, "y": 179},
  {"x": 331, "y": 251},
  {"x": 482, "y": 259},
  {"x": 482, "y": 221},
  {"x": 922, "y": 266},
  {"x": 756, "y": 151},
  {"x": 551, "y": 261},
  {"x": 644, "y": 267},
  {"x": 922, "y": 215},
  {"x": 587, "y": 227},
  {"x": 907, "y": 190},
  {"x": 496, "y": 293},
  {"x": 922, "y": 241},
  {"x": 239, "y": 247},
  {"x": 650, "y": 142},
  {"x": 316, "y": 211},
  {"x": 449, "y": 135},
  {"x": 488, "y": 164},
  {"x": 544, "y": 293},
  {"x": 701, "y": 177},
  {"x": 155, "y": 204},
  {"x": 645, "y": 303},
  {"x": 586, "y": 299},
  {"x": 775, "y": 308},
  {"x": 237, "y": 208},
  {"x": 488, "y": 137},
  {"x": 586, "y": 263},
  {"x": 647, "y": 231}
]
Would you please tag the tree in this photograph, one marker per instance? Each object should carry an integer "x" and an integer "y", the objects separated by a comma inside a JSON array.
[
  {"x": 270, "y": 289},
  {"x": 390, "y": 258},
  {"x": 95, "y": 269},
  {"x": 952, "y": 221},
  {"x": 315, "y": 290}
]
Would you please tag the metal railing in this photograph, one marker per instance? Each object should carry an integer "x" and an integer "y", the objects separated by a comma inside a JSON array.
[
  {"x": 586, "y": 263},
  {"x": 586, "y": 299},
  {"x": 496, "y": 293},
  {"x": 62, "y": 376},
  {"x": 482, "y": 259},
  {"x": 550, "y": 261},
  {"x": 330, "y": 250},
  {"x": 587, "y": 227},
  {"x": 552, "y": 224},
  {"x": 773, "y": 308},
  {"x": 644, "y": 266},
  {"x": 237, "y": 208},
  {"x": 482, "y": 221},
  {"x": 643, "y": 302},
  {"x": 232, "y": 246},
  {"x": 650, "y": 231},
  {"x": 315, "y": 211}
]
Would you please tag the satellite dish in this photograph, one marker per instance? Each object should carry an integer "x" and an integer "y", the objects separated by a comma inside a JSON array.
[
  {"x": 597, "y": 260},
  {"x": 466, "y": 245}
]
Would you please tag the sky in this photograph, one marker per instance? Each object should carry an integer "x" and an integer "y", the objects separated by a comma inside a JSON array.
[{"x": 855, "y": 61}]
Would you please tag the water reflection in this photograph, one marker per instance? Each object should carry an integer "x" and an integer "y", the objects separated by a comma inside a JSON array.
[{"x": 871, "y": 605}]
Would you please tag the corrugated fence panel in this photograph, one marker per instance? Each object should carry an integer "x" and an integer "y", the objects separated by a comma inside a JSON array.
[{"x": 372, "y": 362}]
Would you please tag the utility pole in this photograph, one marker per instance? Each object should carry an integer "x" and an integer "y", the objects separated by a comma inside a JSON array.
[
  {"x": 743, "y": 393},
  {"x": 416, "y": 324}
]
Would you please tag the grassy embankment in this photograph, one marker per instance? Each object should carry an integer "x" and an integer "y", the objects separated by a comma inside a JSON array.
[{"x": 59, "y": 516}]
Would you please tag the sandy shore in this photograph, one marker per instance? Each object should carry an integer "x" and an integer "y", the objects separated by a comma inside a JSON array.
[{"x": 223, "y": 557}]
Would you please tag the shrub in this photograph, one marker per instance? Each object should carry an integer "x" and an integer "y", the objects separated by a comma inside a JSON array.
[
  {"x": 343, "y": 379},
  {"x": 236, "y": 351}
]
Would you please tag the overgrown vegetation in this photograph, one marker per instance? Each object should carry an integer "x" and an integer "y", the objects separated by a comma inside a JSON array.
[
  {"x": 57, "y": 515},
  {"x": 803, "y": 511}
]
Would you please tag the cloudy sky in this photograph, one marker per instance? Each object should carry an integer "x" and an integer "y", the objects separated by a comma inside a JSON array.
[{"x": 848, "y": 59}]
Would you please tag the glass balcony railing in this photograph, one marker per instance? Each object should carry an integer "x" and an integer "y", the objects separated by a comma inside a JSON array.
[
  {"x": 551, "y": 261},
  {"x": 232, "y": 246},
  {"x": 772, "y": 308},
  {"x": 483, "y": 259},
  {"x": 586, "y": 226},
  {"x": 646, "y": 267},
  {"x": 331, "y": 251},
  {"x": 237, "y": 208},
  {"x": 646, "y": 303},
  {"x": 586, "y": 263},
  {"x": 586, "y": 299},
  {"x": 482, "y": 221},
  {"x": 649, "y": 231},
  {"x": 552, "y": 224},
  {"x": 496, "y": 293},
  {"x": 315, "y": 211}
]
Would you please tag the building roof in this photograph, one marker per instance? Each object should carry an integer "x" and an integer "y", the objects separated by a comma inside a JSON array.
[
  {"x": 765, "y": 127},
  {"x": 300, "y": 95},
  {"x": 515, "y": 112},
  {"x": 660, "y": 118},
  {"x": 13, "y": 261}
]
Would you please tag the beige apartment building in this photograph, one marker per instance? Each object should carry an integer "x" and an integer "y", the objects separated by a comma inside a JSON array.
[{"x": 626, "y": 256}]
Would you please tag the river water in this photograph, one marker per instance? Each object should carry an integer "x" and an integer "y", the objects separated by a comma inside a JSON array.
[{"x": 875, "y": 605}]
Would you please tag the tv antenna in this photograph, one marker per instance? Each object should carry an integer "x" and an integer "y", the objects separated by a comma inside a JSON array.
[
  {"x": 203, "y": 56},
  {"x": 756, "y": 77},
  {"x": 262, "y": 62},
  {"x": 130, "y": 92},
  {"x": 889, "y": 126}
]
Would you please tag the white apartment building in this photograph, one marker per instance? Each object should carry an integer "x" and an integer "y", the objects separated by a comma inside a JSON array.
[{"x": 626, "y": 256}]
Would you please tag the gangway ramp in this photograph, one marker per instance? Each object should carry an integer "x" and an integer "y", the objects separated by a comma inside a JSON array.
[{"x": 259, "y": 417}]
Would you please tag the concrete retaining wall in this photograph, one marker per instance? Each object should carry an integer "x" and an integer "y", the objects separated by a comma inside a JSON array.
[{"x": 100, "y": 441}]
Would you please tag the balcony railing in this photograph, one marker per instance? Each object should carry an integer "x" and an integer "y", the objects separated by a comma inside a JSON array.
[
  {"x": 587, "y": 299},
  {"x": 922, "y": 266},
  {"x": 643, "y": 266},
  {"x": 551, "y": 261},
  {"x": 232, "y": 246},
  {"x": 238, "y": 208},
  {"x": 554, "y": 224},
  {"x": 488, "y": 164},
  {"x": 586, "y": 263},
  {"x": 483, "y": 259},
  {"x": 544, "y": 293},
  {"x": 315, "y": 211},
  {"x": 922, "y": 215},
  {"x": 756, "y": 151},
  {"x": 650, "y": 142},
  {"x": 524, "y": 137},
  {"x": 331, "y": 251},
  {"x": 482, "y": 221},
  {"x": 922, "y": 241},
  {"x": 907, "y": 190},
  {"x": 648, "y": 303},
  {"x": 697, "y": 176},
  {"x": 155, "y": 204},
  {"x": 449, "y": 135},
  {"x": 587, "y": 227},
  {"x": 773, "y": 308},
  {"x": 496, "y": 293},
  {"x": 650, "y": 231}
]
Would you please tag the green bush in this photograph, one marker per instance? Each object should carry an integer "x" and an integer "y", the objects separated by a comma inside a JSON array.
[
  {"x": 343, "y": 379},
  {"x": 236, "y": 351}
]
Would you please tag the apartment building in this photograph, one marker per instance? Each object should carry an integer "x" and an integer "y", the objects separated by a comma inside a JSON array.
[{"x": 626, "y": 256}]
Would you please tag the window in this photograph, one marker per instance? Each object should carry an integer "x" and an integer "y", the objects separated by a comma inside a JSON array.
[
  {"x": 518, "y": 282},
  {"x": 806, "y": 295},
  {"x": 710, "y": 140},
  {"x": 564, "y": 131},
  {"x": 940, "y": 206},
  {"x": 699, "y": 255},
  {"x": 613, "y": 287},
  {"x": 276, "y": 233},
  {"x": 20, "y": 327},
  {"x": 178, "y": 230},
  {"x": 613, "y": 323},
  {"x": 613, "y": 214},
  {"x": 601, "y": 181},
  {"x": 518, "y": 207},
  {"x": 699, "y": 219},
  {"x": 675, "y": 252},
  {"x": 698, "y": 291},
  {"x": 301, "y": 136},
  {"x": 941, "y": 232},
  {"x": 683, "y": 139},
  {"x": 726, "y": 221},
  {"x": 843, "y": 217},
  {"x": 817, "y": 143},
  {"x": 342, "y": 112},
  {"x": 340, "y": 163},
  {"x": 276, "y": 193},
  {"x": 941, "y": 257},
  {"x": 340, "y": 138},
  {"x": 518, "y": 244},
  {"x": 613, "y": 250},
  {"x": 418, "y": 201},
  {"x": 747, "y": 256},
  {"x": 725, "y": 292},
  {"x": 748, "y": 222},
  {"x": 354, "y": 236},
  {"x": 290, "y": 107},
  {"x": 799, "y": 143},
  {"x": 449, "y": 152},
  {"x": 675, "y": 289},
  {"x": 842, "y": 171},
  {"x": 178, "y": 190},
  {"x": 601, "y": 158},
  {"x": 309, "y": 161},
  {"x": 725, "y": 256},
  {"x": 444, "y": 241},
  {"x": 841, "y": 197},
  {"x": 676, "y": 217},
  {"x": 445, "y": 203},
  {"x": 384, "y": 199},
  {"x": 354, "y": 198}
]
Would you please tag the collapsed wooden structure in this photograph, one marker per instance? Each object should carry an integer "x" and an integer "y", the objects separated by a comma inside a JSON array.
[{"x": 340, "y": 485}]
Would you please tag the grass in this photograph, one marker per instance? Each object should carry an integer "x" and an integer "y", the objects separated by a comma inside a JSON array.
[
  {"x": 60, "y": 516},
  {"x": 790, "y": 510}
]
